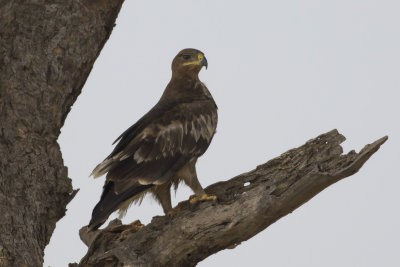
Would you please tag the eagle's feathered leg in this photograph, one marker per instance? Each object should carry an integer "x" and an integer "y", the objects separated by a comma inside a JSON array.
[
  {"x": 189, "y": 175},
  {"x": 192, "y": 181},
  {"x": 163, "y": 194}
]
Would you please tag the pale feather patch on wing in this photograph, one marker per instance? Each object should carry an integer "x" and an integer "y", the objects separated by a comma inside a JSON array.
[
  {"x": 195, "y": 132},
  {"x": 213, "y": 122},
  {"x": 208, "y": 126},
  {"x": 138, "y": 157},
  {"x": 102, "y": 168},
  {"x": 170, "y": 140},
  {"x": 144, "y": 181},
  {"x": 167, "y": 142},
  {"x": 147, "y": 134}
]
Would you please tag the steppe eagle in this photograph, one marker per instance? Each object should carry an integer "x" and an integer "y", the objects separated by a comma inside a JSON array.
[{"x": 161, "y": 149}]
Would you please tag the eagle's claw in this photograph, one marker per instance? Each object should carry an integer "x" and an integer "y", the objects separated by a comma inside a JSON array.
[
  {"x": 204, "y": 197},
  {"x": 172, "y": 212}
]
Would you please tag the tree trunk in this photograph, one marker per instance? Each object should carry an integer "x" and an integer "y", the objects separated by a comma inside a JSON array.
[
  {"x": 47, "y": 49},
  {"x": 245, "y": 206}
]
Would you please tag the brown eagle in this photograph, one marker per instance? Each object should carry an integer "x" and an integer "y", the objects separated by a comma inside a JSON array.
[{"x": 161, "y": 149}]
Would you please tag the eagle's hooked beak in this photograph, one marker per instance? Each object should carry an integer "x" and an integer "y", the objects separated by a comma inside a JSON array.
[{"x": 204, "y": 62}]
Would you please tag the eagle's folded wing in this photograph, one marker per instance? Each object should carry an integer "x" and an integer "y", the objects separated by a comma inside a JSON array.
[{"x": 151, "y": 153}]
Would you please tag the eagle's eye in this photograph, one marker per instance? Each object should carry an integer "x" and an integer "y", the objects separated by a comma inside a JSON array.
[{"x": 186, "y": 56}]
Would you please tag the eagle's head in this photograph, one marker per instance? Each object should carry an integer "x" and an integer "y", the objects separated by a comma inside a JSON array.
[{"x": 189, "y": 61}]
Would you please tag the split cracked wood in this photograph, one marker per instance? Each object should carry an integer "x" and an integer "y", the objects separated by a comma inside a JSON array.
[{"x": 246, "y": 205}]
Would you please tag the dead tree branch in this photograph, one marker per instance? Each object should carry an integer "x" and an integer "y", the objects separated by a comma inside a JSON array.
[{"x": 246, "y": 205}]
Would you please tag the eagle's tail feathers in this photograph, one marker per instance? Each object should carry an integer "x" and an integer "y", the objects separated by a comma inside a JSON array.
[{"x": 110, "y": 201}]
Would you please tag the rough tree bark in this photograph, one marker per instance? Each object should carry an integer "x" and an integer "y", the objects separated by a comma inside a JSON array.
[
  {"x": 245, "y": 205},
  {"x": 47, "y": 49}
]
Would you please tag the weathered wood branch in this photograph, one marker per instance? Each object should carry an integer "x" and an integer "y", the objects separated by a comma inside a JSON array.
[
  {"x": 246, "y": 205},
  {"x": 47, "y": 50}
]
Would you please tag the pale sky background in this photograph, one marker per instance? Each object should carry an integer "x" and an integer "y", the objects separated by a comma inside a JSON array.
[{"x": 281, "y": 72}]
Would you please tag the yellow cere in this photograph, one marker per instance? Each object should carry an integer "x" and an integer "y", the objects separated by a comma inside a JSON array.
[{"x": 199, "y": 57}]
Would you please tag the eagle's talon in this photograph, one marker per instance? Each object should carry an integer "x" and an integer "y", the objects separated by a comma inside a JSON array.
[
  {"x": 204, "y": 197},
  {"x": 171, "y": 213}
]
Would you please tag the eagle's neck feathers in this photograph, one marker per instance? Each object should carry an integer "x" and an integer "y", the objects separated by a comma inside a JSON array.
[{"x": 185, "y": 87}]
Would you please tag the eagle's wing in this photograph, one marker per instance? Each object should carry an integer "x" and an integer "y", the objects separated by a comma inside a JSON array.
[{"x": 160, "y": 143}]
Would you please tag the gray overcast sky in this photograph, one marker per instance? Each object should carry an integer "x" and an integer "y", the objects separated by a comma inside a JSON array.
[{"x": 281, "y": 72}]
